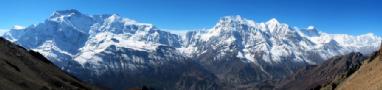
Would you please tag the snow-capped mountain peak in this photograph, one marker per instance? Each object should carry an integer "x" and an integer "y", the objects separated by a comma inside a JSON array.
[
  {"x": 60, "y": 14},
  {"x": 274, "y": 26},
  {"x": 231, "y": 19},
  {"x": 66, "y": 12},
  {"x": 110, "y": 46},
  {"x": 311, "y": 28},
  {"x": 228, "y": 25},
  {"x": 117, "y": 18},
  {"x": 311, "y": 31},
  {"x": 71, "y": 18},
  {"x": 113, "y": 17},
  {"x": 273, "y": 21}
]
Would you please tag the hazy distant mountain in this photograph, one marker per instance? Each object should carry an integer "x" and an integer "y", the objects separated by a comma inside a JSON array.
[
  {"x": 236, "y": 53},
  {"x": 23, "y": 69}
]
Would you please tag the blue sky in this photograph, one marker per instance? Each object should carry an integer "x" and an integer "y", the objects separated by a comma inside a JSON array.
[{"x": 332, "y": 16}]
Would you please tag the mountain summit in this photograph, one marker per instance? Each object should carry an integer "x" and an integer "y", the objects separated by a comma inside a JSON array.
[
  {"x": 236, "y": 53},
  {"x": 66, "y": 12}
]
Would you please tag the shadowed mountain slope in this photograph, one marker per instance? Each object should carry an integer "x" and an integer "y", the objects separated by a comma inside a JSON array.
[
  {"x": 29, "y": 70},
  {"x": 368, "y": 77},
  {"x": 347, "y": 72},
  {"x": 326, "y": 75}
]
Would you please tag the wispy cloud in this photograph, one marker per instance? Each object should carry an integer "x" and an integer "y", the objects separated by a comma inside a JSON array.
[
  {"x": 2, "y": 31},
  {"x": 18, "y": 27}
]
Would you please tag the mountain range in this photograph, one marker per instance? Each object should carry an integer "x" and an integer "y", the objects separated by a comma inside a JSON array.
[{"x": 237, "y": 53}]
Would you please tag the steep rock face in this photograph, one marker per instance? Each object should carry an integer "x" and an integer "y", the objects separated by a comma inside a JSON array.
[
  {"x": 26, "y": 69},
  {"x": 327, "y": 75},
  {"x": 236, "y": 53}
]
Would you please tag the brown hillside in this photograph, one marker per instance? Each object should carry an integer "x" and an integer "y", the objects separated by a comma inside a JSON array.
[
  {"x": 368, "y": 77},
  {"x": 327, "y": 74}
]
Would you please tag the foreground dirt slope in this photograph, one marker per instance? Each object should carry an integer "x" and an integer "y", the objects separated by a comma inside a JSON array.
[
  {"x": 368, "y": 77},
  {"x": 22, "y": 69},
  {"x": 326, "y": 75}
]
